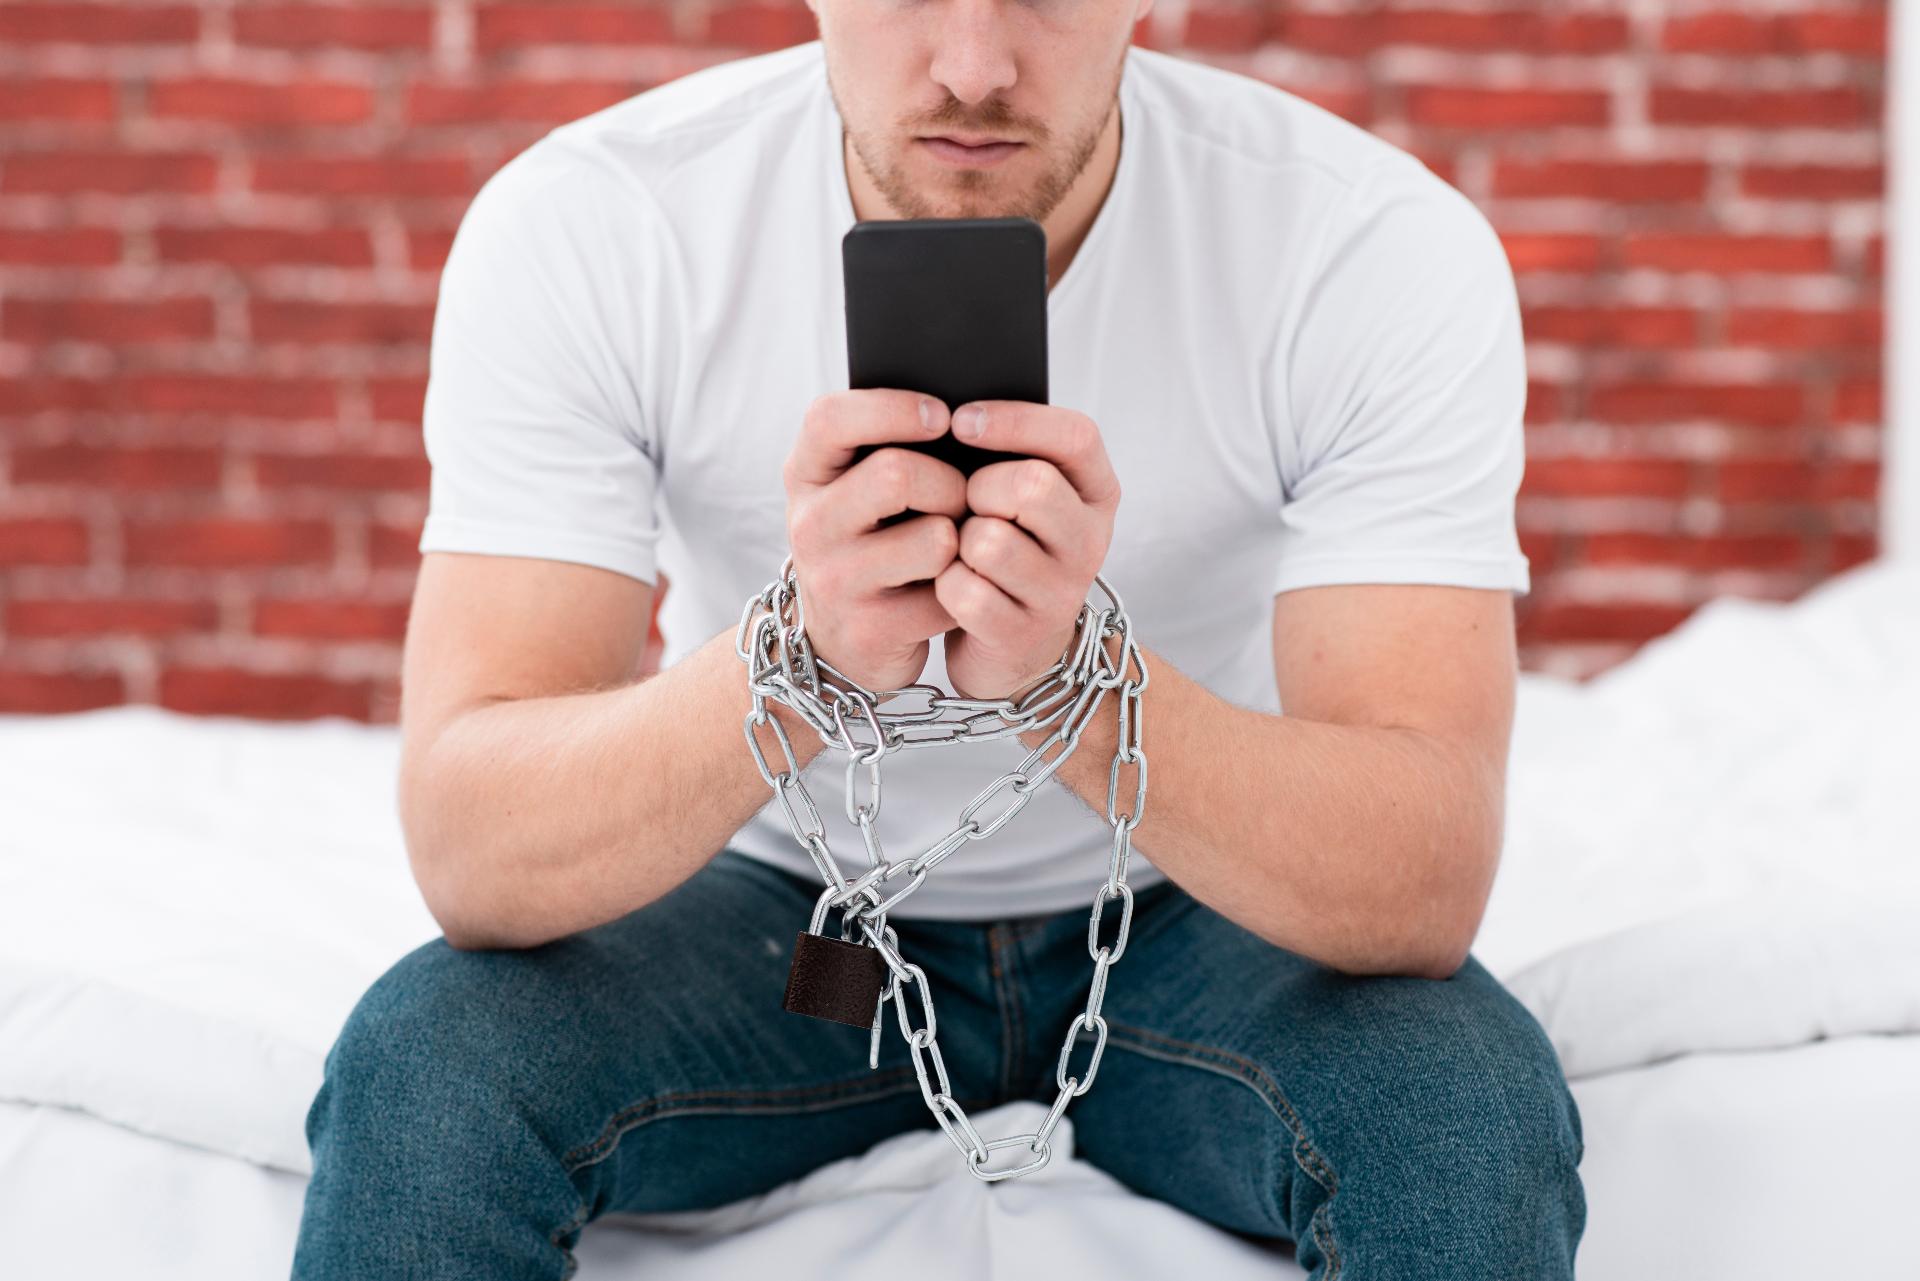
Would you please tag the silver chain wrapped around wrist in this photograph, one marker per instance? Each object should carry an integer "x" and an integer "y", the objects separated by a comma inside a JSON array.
[{"x": 781, "y": 665}]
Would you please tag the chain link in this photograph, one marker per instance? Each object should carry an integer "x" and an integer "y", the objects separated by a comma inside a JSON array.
[{"x": 781, "y": 665}]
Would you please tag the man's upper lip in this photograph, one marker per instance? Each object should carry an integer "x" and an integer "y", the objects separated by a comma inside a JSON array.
[{"x": 979, "y": 141}]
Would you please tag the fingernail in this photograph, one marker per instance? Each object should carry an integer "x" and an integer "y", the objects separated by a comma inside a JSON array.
[
  {"x": 966, "y": 423},
  {"x": 926, "y": 414}
]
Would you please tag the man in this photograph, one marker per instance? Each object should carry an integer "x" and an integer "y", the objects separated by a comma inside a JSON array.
[{"x": 1288, "y": 384}]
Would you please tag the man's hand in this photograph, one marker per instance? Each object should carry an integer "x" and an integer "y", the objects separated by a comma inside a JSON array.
[{"x": 1038, "y": 533}]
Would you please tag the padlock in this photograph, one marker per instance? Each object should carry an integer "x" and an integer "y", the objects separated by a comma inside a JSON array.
[{"x": 835, "y": 979}]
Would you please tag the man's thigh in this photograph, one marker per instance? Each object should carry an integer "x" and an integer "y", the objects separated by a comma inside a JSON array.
[
  {"x": 646, "y": 1064},
  {"x": 1390, "y": 1126}
]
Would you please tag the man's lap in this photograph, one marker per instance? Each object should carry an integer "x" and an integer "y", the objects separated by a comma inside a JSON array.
[
  {"x": 1385, "y": 1118},
  {"x": 652, "y": 1057}
]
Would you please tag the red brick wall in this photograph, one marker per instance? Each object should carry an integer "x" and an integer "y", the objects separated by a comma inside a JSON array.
[{"x": 221, "y": 226}]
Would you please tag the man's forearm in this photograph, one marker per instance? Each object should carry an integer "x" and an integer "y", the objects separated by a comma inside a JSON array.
[
  {"x": 532, "y": 819},
  {"x": 1367, "y": 849}
]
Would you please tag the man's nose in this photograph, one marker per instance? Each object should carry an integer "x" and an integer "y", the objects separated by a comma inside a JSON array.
[{"x": 973, "y": 50}]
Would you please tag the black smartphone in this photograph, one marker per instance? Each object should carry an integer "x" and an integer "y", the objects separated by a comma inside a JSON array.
[{"x": 953, "y": 307}]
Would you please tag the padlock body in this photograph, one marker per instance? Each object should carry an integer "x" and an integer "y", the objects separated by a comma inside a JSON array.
[{"x": 835, "y": 979}]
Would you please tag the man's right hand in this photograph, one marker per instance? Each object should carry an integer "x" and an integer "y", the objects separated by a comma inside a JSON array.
[{"x": 867, "y": 590}]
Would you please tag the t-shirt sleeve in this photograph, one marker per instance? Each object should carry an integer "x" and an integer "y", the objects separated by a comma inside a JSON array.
[
  {"x": 1405, "y": 387},
  {"x": 534, "y": 421}
]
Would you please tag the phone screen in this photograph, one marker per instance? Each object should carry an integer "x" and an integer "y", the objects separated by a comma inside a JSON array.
[{"x": 953, "y": 307}]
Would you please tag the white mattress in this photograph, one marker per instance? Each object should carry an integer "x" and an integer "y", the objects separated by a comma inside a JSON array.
[
  {"x": 1753, "y": 1166},
  {"x": 1708, "y": 897}
]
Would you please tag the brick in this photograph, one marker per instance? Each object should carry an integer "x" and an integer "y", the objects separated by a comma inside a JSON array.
[
  {"x": 59, "y": 246},
  {"x": 760, "y": 26},
  {"x": 1724, "y": 32},
  {"x": 234, "y": 691},
  {"x": 1544, "y": 402},
  {"x": 407, "y": 472},
  {"x": 1622, "y": 621},
  {"x": 1528, "y": 251},
  {"x": 1844, "y": 551},
  {"x": 1842, "y": 481},
  {"x": 1215, "y": 29},
  {"x": 1838, "y": 105},
  {"x": 119, "y": 468},
  {"x": 1355, "y": 32},
  {"x": 1525, "y": 30},
  {"x": 350, "y": 26},
  {"x": 331, "y": 619},
  {"x": 1614, "y": 181},
  {"x": 1858, "y": 402},
  {"x": 42, "y": 393},
  {"x": 32, "y": 23},
  {"x": 1354, "y": 104},
  {"x": 1747, "y": 404},
  {"x": 107, "y": 617},
  {"x": 427, "y": 248},
  {"x": 426, "y": 176},
  {"x": 1586, "y": 33},
  {"x": 1701, "y": 552},
  {"x": 253, "y": 102},
  {"x": 48, "y": 98},
  {"x": 1814, "y": 182},
  {"x": 49, "y": 540},
  {"x": 1607, "y": 477},
  {"x": 43, "y": 693},
  {"x": 367, "y": 323},
  {"x": 256, "y": 396},
  {"x": 1343, "y": 33},
  {"x": 120, "y": 173},
  {"x": 228, "y": 542},
  {"x": 513, "y": 26},
  {"x": 1781, "y": 327},
  {"x": 1729, "y": 254},
  {"x": 1468, "y": 107},
  {"x": 536, "y": 101},
  {"x": 1541, "y": 550},
  {"x": 397, "y": 400},
  {"x": 240, "y": 246},
  {"x": 1796, "y": 481},
  {"x": 1861, "y": 31},
  {"x": 102, "y": 320},
  {"x": 1656, "y": 328},
  {"x": 1749, "y": 480},
  {"x": 390, "y": 546}
]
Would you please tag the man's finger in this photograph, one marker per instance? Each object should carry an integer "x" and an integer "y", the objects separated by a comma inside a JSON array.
[
  {"x": 1064, "y": 437},
  {"x": 839, "y": 422}
]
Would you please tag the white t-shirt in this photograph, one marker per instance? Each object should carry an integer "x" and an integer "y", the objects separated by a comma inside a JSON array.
[{"x": 1301, "y": 347}]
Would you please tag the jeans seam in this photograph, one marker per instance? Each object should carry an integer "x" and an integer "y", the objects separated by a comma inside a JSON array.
[
  {"x": 1239, "y": 1068},
  {"x": 576, "y": 1159},
  {"x": 616, "y": 1128},
  {"x": 1012, "y": 1020}
]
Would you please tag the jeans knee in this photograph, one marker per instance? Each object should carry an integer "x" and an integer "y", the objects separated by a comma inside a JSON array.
[
  {"x": 1504, "y": 1099},
  {"x": 1467, "y": 1106},
  {"x": 430, "y": 1131},
  {"x": 429, "y": 1046}
]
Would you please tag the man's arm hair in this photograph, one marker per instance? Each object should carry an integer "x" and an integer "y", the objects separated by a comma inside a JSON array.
[{"x": 543, "y": 789}]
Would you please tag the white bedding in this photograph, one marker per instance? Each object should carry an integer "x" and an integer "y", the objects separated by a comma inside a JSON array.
[
  {"x": 1711, "y": 848},
  {"x": 1747, "y": 1166}
]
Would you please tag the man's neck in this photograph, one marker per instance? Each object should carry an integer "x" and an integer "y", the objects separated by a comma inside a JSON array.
[{"x": 1066, "y": 226}]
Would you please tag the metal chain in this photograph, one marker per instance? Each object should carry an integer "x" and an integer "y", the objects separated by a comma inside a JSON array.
[{"x": 781, "y": 665}]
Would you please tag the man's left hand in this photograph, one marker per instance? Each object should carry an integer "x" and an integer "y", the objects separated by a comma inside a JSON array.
[{"x": 1038, "y": 531}]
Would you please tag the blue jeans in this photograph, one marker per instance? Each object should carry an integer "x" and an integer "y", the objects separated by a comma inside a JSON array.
[{"x": 481, "y": 1107}]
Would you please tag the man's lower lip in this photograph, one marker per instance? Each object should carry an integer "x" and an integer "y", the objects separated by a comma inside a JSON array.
[{"x": 970, "y": 157}]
